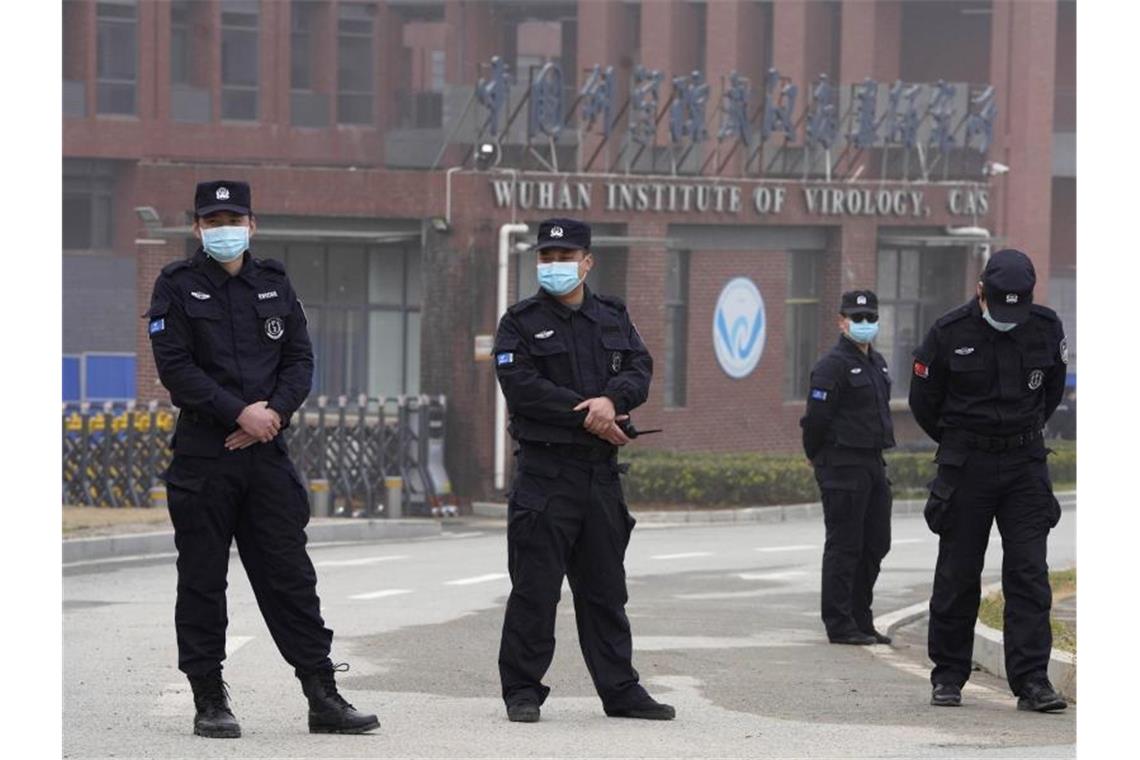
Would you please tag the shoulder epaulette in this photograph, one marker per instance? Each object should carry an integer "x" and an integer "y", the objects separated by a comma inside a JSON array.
[
  {"x": 523, "y": 305},
  {"x": 1044, "y": 311},
  {"x": 273, "y": 264},
  {"x": 960, "y": 312},
  {"x": 174, "y": 266},
  {"x": 614, "y": 301}
]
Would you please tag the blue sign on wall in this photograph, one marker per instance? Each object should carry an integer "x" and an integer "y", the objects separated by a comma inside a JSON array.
[
  {"x": 96, "y": 376},
  {"x": 71, "y": 378}
]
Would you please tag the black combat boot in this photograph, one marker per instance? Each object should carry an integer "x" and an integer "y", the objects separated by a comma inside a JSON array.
[
  {"x": 647, "y": 709},
  {"x": 329, "y": 712},
  {"x": 212, "y": 702}
]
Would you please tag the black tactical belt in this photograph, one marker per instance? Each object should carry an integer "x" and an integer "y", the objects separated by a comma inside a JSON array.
[
  {"x": 992, "y": 443},
  {"x": 573, "y": 451}
]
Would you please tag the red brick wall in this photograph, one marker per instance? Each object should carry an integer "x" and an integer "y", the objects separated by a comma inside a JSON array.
[
  {"x": 939, "y": 41},
  {"x": 722, "y": 413},
  {"x": 1063, "y": 219}
]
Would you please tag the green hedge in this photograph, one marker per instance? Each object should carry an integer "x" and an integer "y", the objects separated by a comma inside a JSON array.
[{"x": 754, "y": 479}]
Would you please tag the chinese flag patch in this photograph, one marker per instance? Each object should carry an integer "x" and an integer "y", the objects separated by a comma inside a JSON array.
[{"x": 921, "y": 370}]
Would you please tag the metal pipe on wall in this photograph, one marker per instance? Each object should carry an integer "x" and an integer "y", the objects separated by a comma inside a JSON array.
[{"x": 505, "y": 233}]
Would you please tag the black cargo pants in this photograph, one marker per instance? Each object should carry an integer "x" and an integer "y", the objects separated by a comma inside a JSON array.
[
  {"x": 567, "y": 517},
  {"x": 857, "y": 516},
  {"x": 971, "y": 490},
  {"x": 256, "y": 497}
]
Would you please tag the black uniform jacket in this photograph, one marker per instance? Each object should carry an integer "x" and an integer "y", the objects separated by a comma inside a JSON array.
[
  {"x": 971, "y": 377},
  {"x": 549, "y": 357},
  {"x": 848, "y": 403},
  {"x": 221, "y": 343}
]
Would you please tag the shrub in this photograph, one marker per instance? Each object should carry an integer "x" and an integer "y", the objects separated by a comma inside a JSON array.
[{"x": 756, "y": 479}]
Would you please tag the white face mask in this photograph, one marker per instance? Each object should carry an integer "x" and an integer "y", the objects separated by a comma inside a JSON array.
[{"x": 999, "y": 326}]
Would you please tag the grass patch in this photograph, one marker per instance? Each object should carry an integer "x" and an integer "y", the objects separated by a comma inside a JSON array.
[
  {"x": 1064, "y": 584},
  {"x": 97, "y": 521}
]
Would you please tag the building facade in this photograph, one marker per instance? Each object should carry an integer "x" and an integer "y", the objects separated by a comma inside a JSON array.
[{"x": 359, "y": 125}]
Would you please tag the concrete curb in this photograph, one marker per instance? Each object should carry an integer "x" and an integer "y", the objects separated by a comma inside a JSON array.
[
  {"x": 693, "y": 516},
  {"x": 319, "y": 530},
  {"x": 989, "y": 655},
  {"x": 770, "y": 514}
]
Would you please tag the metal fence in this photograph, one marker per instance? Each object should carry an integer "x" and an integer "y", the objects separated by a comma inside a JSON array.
[{"x": 114, "y": 453}]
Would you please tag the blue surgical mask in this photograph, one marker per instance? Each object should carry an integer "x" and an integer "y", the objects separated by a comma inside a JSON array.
[
  {"x": 999, "y": 326},
  {"x": 225, "y": 243},
  {"x": 558, "y": 277},
  {"x": 862, "y": 332}
]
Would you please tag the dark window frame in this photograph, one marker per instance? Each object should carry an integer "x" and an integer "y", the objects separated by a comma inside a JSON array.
[
  {"x": 350, "y": 27},
  {"x": 927, "y": 306},
  {"x": 110, "y": 17},
  {"x": 93, "y": 181},
  {"x": 245, "y": 22},
  {"x": 322, "y": 312},
  {"x": 675, "y": 385},
  {"x": 801, "y": 331}
]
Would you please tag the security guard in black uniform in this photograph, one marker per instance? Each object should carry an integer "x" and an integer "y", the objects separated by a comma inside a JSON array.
[
  {"x": 231, "y": 344},
  {"x": 572, "y": 367},
  {"x": 986, "y": 379},
  {"x": 845, "y": 429}
]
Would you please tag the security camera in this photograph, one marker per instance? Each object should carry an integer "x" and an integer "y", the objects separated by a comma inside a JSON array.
[
  {"x": 486, "y": 155},
  {"x": 995, "y": 169}
]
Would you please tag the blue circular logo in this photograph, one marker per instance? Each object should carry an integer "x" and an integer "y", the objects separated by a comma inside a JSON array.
[{"x": 739, "y": 327}]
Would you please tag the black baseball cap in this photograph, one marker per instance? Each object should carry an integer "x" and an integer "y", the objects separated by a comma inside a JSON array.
[
  {"x": 222, "y": 195},
  {"x": 563, "y": 233},
  {"x": 859, "y": 302},
  {"x": 1007, "y": 283}
]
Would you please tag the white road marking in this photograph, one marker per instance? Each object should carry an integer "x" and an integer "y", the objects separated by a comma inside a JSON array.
[
  {"x": 776, "y": 638},
  {"x": 359, "y": 561},
  {"x": 381, "y": 594},
  {"x": 791, "y": 548},
  {"x": 234, "y": 643},
  {"x": 713, "y": 595},
  {"x": 910, "y": 541},
  {"x": 467, "y": 534},
  {"x": 476, "y": 579},
  {"x": 780, "y": 576},
  {"x": 682, "y": 555},
  {"x": 129, "y": 558}
]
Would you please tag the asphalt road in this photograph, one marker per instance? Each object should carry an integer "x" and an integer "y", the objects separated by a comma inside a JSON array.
[{"x": 726, "y": 628}]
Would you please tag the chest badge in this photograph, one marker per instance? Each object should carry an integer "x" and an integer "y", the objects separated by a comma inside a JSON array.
[
  {"x": 200, "y": 295},
  {"x": 615, "y": 362},
  {"x": 856, "y": 370},
  {"x": 266, "y": 296},
  {"x": 964, "y": 350},
  {"x": 274, "y": 328},
  {"x": 543, "y": 335},
  {"x": 1036, "y": 377}
]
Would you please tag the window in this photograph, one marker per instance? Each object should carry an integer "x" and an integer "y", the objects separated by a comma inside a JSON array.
[
  {"x": 116, "y": 51},
  {"x": 915, "y": 287},
  {"x": 303, "y": 15},
  {"x": 362, "y": 304},
  {"x": 239, "y": 59},
  {"x": 181, "y": 42},
  {"x": 87, "y": 209},
  {"x": 189, "y": 91},
  {"x": 355, "y": 64},
  {"x": 438, "y": 70},
  {"x": 307, "y": 107},
  {"x": 676, "y": 328},
  {"x": 803, "y": 314}
]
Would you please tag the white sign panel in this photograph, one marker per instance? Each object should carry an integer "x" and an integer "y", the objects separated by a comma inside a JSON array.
[{"x": 739, "y": 327}]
